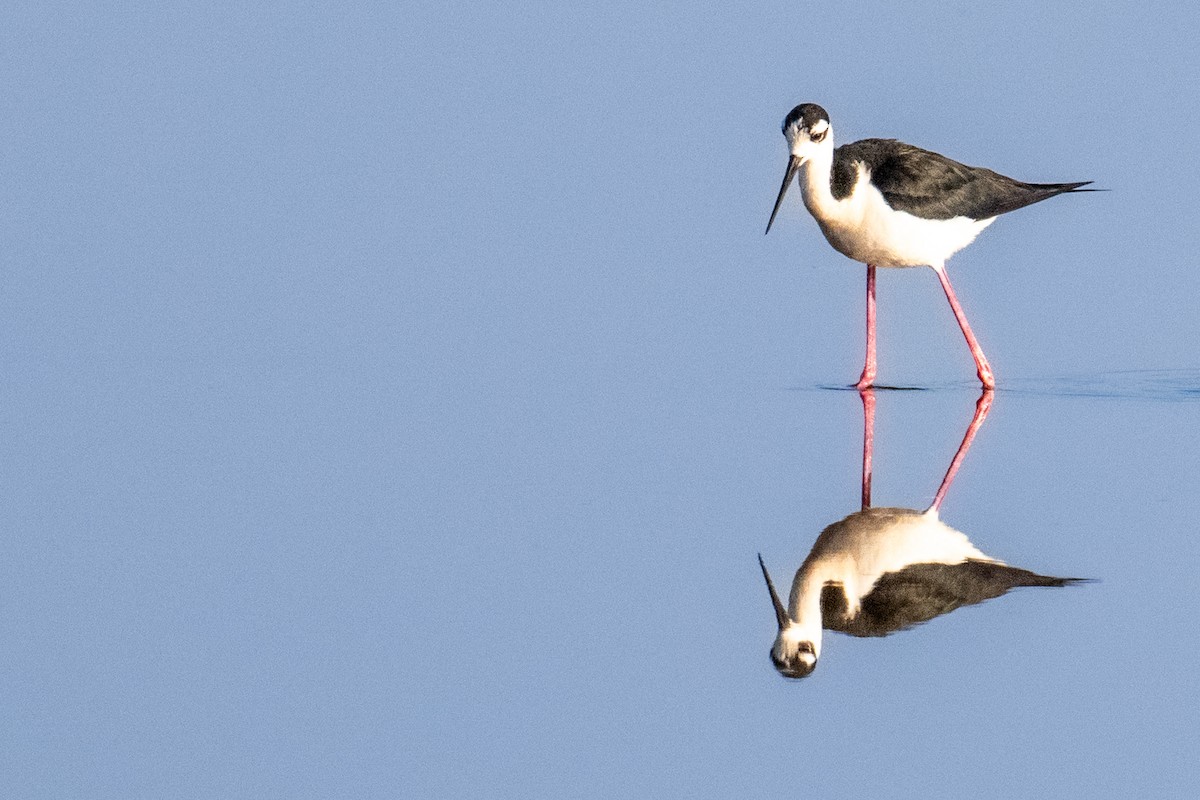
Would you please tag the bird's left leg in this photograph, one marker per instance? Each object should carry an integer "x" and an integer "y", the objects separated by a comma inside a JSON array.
[{"x": 982, "y": 367}]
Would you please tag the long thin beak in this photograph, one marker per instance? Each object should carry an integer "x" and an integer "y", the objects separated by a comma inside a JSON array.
[
  {"x": 793, "y": 165},
  {"x": 781, "y": 615}
]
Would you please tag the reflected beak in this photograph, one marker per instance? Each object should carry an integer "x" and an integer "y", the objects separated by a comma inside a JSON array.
[
  {"x": 793, "y": 165},
  {"x": 781, "y": 615}
]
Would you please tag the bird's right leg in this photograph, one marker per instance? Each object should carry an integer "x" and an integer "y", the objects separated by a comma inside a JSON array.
[
  {"x": 982, "y": 368},
  {"x": 867, "y": 379}
]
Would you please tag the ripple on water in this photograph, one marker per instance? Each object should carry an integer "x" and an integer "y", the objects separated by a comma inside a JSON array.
[{"x": 1143, "y": 384}]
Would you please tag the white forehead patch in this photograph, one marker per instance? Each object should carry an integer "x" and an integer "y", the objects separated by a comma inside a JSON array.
[{"x": 819, "y": 127}]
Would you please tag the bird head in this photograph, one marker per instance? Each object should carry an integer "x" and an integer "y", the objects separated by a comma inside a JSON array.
[
  {"x": 796, "y": 648},
  {"x": 806, "y": 128}
]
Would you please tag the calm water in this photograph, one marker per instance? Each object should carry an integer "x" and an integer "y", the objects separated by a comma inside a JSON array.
[
  {"x": 393, "y": 402},
  {"x": 514, "y": 593}
]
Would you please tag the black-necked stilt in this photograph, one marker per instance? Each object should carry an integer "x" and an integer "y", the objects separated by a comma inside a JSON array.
[
  {"x": 881, "y": 570},
  {"x": 889, "y": 204}
]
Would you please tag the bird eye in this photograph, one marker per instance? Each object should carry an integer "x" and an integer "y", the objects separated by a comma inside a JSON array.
[{"x": 816, "y": 137}]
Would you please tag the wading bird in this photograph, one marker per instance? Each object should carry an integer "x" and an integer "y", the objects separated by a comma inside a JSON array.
[{"x": 889, "y": 204}]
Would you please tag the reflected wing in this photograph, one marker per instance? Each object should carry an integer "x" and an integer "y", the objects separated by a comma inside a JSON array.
[{"x": 918, "y": 593}]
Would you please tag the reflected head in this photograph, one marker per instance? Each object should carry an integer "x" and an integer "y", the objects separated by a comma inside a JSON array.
[
  {"x": 793, "y": 659},
  {"x": 794, "y": 653}
]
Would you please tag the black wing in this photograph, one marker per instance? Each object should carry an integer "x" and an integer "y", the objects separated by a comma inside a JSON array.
[
  {"x": 931, "y": 186},
  {"x": 920, "y": 592}
]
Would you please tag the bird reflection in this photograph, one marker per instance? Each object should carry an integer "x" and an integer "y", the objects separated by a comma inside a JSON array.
[{"x": 881, "y": 570}]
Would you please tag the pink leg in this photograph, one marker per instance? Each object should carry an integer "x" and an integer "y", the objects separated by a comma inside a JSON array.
[
  {"x": 981, "y": 363},
  {"x": 867, "y": 379},
  {"x": 868, "y": 401},
  {"x": 982, "y": 407}
]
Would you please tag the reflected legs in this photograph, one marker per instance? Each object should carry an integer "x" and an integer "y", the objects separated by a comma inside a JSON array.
[
  {"x": 868, "y": 401},
  {"x": 982, "y": 407}
]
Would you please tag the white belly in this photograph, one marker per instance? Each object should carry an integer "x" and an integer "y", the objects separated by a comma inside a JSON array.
[{"x": 865, "y": 228}]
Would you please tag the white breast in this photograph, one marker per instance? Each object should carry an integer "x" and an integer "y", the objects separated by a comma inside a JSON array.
[{"x": 865, "y": 228}]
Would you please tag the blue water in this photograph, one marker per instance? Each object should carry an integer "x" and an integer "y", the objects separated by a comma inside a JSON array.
[{"x": 394, "y": 399}]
